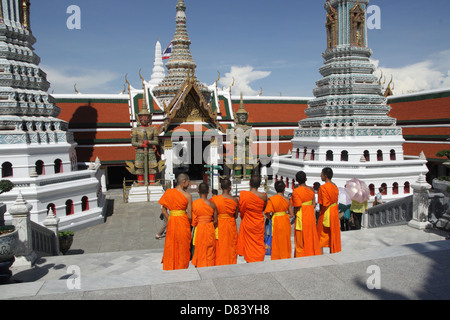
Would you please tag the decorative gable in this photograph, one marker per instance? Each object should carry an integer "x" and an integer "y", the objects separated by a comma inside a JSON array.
[{"x": 189, "y": 105}]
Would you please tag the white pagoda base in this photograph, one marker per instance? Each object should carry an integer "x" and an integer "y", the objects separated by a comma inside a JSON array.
[
  {"x": 56, "y": 190},
  {"x": 145, "y": 194},
  {"x": 399, "y": 173}
]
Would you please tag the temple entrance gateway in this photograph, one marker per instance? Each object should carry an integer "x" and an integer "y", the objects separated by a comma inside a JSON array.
[
  {"x": 189, "y": 127},
  {"x": 189, "y": 159}
]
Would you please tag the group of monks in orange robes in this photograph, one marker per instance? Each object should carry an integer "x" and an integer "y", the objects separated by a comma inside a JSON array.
[{"x": 215, "y": 239}]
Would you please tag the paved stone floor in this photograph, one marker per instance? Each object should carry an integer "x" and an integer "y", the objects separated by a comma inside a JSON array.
[{"x": 121, "y": 259}]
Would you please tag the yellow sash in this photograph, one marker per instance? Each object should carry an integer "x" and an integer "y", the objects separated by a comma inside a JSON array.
[
  {"x": 203, "y": 220},
  {"x": 194, "y": 236},
  {"x": 299, "y": 216},
  {"x": 276, "y": 214},
  {"x": 326, "y": 216},
  {"x": 177, "y": 213}
]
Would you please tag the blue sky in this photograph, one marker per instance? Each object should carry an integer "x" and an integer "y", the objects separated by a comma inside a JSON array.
[{"x": 273, "y": 45}]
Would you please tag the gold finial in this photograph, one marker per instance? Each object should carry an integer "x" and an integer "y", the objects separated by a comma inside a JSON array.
[
  {"x": 129, "y": 85},
  {"x": 388, "y": 91},
  {"x": 142, "y": 78},
  {"x": 260, "y": 93},
  {"x": 232, "y": 85},
  {"x": 75, "y": 88},
  {"x": 392, "y": 78},
  {"x": 218, "y": 78}
]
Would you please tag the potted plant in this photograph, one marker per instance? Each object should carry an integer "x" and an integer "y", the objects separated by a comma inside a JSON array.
[
  {"x": 9, "y": 238},
  {"x": 65, "y": 241}
]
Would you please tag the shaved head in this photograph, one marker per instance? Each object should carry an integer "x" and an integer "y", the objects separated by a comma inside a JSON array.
[
  {"x": 182, "y": 177},
  {"x": 225, "y": 184},
  {"x": 203, "y": 188},
  {"x": 255, "y": 181}
]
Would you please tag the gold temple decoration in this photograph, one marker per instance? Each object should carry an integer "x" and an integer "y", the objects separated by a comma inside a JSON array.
[
  {"x": 331, "y": 25},
  {"x": 25, "y": 14},
  {"x": 218, "y": 78},
  {"x": 389, "y": 91},
  {"x": 189, "y": 105},
  {"x": 357, "y": 26},
  {"x": 232, "y": 85}
]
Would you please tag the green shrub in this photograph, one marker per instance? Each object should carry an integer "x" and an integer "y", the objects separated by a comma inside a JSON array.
[
  {"x": 65, "y": 234},
  {"x": 6, "y": 186},
  {"x": 443, "y": 153}
]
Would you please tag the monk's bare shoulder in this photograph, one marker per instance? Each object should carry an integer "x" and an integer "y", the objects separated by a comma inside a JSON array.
[
  {"x": 212, "y": 205},
  {"x": 263, "y": 196},
  {"x": 231, "y": 198},
  {"x": 188, "y": 196}
]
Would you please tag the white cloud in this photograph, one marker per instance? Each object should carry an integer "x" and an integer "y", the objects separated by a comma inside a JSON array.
[
  {"x": 62, "y": 80},
  {"x": 243, "y": 76},
  {"x": 433, "y": 73}
]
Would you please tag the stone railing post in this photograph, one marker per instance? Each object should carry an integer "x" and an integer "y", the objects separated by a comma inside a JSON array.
[
  {"x": 420, "y": 204},
  {"x": 20, "y": 213},
  {"x": 52, "y": 223}
]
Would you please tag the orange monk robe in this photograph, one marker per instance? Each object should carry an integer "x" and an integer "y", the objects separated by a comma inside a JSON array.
[
  {"x": 306, "y": 239},
  {"x": 330, "y": 236},
  {"x": 226, "y": 244},
  {"x": 204, "y": 234},
  {"x": 178, "y": 233},
  {"x": 251, "y": 231},
  {"x": 281, "y": 227}
]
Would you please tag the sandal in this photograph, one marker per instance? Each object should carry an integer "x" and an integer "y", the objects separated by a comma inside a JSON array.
[{"x": 158, "y": 237}]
